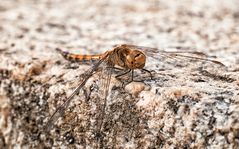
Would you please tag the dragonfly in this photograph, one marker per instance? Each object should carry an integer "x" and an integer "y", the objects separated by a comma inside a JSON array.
[{"x": 129, "y": 57}]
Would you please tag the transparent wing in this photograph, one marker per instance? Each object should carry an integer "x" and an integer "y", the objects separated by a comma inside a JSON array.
[
  {"x": 175, "y": 55},
  {"x": 104, "y": 91},
  {"x": 61, "y": 109}
]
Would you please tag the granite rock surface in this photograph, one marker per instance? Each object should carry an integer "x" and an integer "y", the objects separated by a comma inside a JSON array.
[{"x": 187, "y": 103}]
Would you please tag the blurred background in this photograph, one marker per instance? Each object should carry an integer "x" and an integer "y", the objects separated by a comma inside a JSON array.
[{"x": 210, "y": 26}]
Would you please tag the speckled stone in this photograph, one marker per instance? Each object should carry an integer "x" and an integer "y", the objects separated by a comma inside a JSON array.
[{"x": 187, "y": 104}]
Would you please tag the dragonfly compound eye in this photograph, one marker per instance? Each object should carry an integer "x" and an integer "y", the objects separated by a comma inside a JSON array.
[{"x": 139, "y": 60}]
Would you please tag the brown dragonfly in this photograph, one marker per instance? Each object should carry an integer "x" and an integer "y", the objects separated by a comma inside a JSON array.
[{"x": 128, "y": 57}]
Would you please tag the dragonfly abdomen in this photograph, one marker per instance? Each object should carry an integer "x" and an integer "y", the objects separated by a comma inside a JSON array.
[{"x": 79, "y": 57}]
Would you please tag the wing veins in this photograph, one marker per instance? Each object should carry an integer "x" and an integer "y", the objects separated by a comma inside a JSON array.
[
  {"x": 106, "y": 85},
  {"x": 199, "y": 58},
  {"x": 60, "y": 110}
]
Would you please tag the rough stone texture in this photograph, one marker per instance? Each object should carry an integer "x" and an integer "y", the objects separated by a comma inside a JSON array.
[{"x": 196, "y": 106}]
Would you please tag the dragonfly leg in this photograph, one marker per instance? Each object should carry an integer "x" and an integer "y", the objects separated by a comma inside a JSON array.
[
  {"x": 123, "y": 73},
  {"x": 151, "y": 76},
  {"x": 116, "y": 68},
  {"x": 132, "y": 76},
  {"x": 123, "y": 83}
]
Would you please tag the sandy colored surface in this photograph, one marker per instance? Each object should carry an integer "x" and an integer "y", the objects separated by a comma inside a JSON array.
[{"x": 187, "y": 104}]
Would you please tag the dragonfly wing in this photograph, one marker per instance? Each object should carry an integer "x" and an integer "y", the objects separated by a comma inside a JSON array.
[
  {"x": 175, "y": 55},
  {"x": 104, "y": 91},
  {"x": 61, "y": 109}
]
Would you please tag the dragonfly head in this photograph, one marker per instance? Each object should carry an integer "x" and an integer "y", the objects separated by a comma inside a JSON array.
[{"x": 135, "y": 59}]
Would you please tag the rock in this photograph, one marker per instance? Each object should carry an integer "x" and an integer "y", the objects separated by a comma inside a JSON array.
[{"x": 186, "y": 104}]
